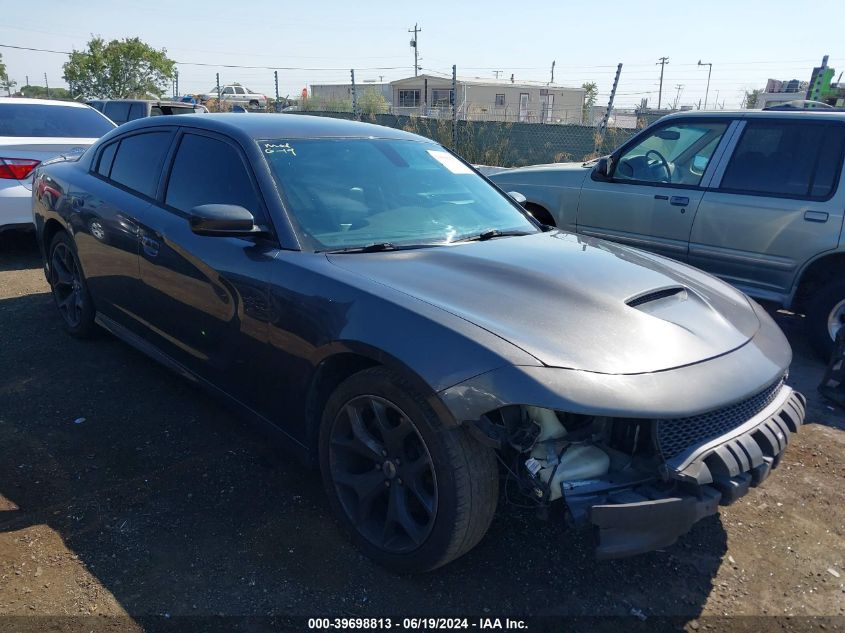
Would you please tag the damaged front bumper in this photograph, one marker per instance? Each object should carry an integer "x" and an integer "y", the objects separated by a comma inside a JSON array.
[{"x": 639, "y": 516}]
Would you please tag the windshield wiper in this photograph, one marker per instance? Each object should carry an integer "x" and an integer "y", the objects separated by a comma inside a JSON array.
[
  {"x": 375, "y": 247},
  {"x": 489, "y": 234}
]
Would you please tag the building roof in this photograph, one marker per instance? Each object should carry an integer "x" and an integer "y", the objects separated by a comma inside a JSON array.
[{"x": 484, "y": 81}]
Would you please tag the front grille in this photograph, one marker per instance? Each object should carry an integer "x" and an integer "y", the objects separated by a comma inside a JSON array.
[{"x": 675, "y": 435}]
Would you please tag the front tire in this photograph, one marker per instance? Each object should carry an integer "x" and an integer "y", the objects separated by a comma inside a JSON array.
[
  {"x": 413, "y": 493},
  {"x": 826, "y": 315},
  {"x": 69, "y": 289}
]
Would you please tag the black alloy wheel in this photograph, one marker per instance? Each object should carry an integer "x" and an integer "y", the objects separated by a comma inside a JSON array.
[
  {"x": 70, "y": 292},
  {"x": 413, "y": 488},
  {"x": 383, "y": 474}
]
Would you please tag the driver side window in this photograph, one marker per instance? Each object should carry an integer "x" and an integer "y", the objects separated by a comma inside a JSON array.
[{"x": 673, "y": 154}]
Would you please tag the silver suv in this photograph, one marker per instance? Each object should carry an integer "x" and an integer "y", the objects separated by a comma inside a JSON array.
[{"x": 756, "y": 198}]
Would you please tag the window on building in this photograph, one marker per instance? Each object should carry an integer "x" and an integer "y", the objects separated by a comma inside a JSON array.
[
  {"x": 441, "y": 98},
  {"x": 409, "y": 98},
  {"x": 786, "y": 158},
  {"x": 500, "y": 101}
]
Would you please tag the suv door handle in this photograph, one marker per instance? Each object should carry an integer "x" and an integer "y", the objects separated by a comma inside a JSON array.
[
  {"x": 679, "y": 201},
  {"x": 816, "y": 216}
]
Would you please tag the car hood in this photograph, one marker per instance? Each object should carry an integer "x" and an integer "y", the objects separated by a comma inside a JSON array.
[
  {"x": 555, "y": 174},
  {"x": 571, "y": 301}
]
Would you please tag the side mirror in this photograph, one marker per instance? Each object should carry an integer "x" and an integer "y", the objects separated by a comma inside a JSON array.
[
  {"x": 602, "y": 169},
  {"x": 222, "y": 220},
  {"x": 518, "y": 198}
]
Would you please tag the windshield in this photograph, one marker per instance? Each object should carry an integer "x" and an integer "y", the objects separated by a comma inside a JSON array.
[
  {"x": 350, "y": 193},
  {"x": 33, "y": 120}
]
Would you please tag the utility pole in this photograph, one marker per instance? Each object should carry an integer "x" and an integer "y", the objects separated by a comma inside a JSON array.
[
  {"x": 217, "y": 79},
  {"x": 27, "y": 81},
  {"x": 47, "y": 85},
  {"x": 709, "y": 70},
  {"x": 416, "y": 48},
  {"x": 604, "y": 120},
  {"x": 176, "y": 86},
  {"x": 663, "y": 61},
  {"x": 276, "y": 81},
  {"x": 677, "y": 95},
  {"x": 717, "y": 100},
  {"x": 454, "y": 108},
  {"x": 354, "y": 96},
  {"x": 553, "y": 73}
]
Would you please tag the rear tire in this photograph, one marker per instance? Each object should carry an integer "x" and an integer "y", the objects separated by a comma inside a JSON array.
[
  {"x": 413, "y": 493},
  {"x": 825, "y": 315},
  {"x": 69, "y": 288}
]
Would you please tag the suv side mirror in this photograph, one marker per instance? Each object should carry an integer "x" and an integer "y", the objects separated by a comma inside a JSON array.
[
  {"x": 602, "y": 168},
  {"x": 518, "y": 198},
  {"x": 223, "y": 220}
]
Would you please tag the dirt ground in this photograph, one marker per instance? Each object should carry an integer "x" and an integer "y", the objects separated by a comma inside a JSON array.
[{"x": 130, "y": 496}]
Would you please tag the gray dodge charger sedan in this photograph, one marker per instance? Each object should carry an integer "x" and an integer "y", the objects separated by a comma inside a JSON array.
[{"x": 409, "y": 328}]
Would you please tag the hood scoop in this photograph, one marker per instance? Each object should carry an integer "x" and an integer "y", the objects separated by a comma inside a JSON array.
[{"x": 678, "y": 293}]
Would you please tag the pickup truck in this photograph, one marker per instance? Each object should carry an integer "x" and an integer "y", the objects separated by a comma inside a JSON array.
[{"x": 754, "y": 197}]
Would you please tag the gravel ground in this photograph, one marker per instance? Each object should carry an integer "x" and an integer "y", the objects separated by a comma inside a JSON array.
[{"x": 125, "y": 491}]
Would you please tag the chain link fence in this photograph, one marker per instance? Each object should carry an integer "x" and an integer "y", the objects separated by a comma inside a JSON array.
[{"x": 501, "y": 143}]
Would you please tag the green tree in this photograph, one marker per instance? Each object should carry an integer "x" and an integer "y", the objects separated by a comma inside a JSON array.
[
  {"x": 5, "y": 83},
  {"x": 40, "y": 92},
  {"x": 119, "y": 69},
  {"x": 372, "y": 102},
  {"x": 591, "y": 93},
  {"x": 751, "y": 97}
]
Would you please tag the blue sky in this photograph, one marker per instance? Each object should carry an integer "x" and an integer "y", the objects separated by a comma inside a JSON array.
[{"x": 746, "y": 41}]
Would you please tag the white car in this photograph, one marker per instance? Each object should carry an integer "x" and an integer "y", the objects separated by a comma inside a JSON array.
[
  {"x": 32, "y": 131},
  {"x": 236, "y": 94}
]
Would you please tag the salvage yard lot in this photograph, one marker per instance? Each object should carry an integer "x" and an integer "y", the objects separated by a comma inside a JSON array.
[{"x": 124, "y": 490}]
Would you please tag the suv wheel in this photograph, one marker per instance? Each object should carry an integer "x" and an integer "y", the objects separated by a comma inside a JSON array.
[
  {"x": 413, "y": 494},
  {"x": 826, "y": 315},
  {"x": 69, "y": 289}
]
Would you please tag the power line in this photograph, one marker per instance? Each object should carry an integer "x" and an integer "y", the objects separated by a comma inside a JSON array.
[{"x": 205, "y": 64}]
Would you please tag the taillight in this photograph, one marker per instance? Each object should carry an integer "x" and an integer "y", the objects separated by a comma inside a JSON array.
[{"x": 17, "y": 168}]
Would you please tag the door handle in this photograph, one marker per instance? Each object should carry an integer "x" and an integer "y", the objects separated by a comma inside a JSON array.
[
  {"x": 679, "y": 201},
  {"x": 657, "y": 196},
  {"x": 151, "y": 246},
  {"x": 816, "y": 216}
]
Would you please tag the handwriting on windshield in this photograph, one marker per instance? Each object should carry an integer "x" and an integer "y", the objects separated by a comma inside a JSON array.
[{"x": 275, "y": 148}]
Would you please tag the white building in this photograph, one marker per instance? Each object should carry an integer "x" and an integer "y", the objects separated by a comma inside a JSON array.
[{"x": 488, "y": 99}]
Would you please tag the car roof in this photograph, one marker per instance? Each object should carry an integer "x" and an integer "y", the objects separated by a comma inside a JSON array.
[
  {"x": 270, "y": 126},
  {"x": 755, "y": 114},
  {"x": 49, "y": 102},
  {"x": 154, "y": 101}
]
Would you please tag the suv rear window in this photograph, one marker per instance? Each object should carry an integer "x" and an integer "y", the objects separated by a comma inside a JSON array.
[
  {"x": 117, "y": 111},
  {"x": 25, "y": 119},
  {"x": 797, "y": 159}
]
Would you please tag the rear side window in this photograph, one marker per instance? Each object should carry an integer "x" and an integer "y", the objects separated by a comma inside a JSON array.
[
  {"x": 137, "y": 163},
  {"x": 210, "y": 171},
  {"x": 25, "y": 119},
  {"x": 137, "y": 111},
  {"x": 797, "y": 159},
  {"x": 117, "y": 111},
  {"x": 106, "y": 159}
]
